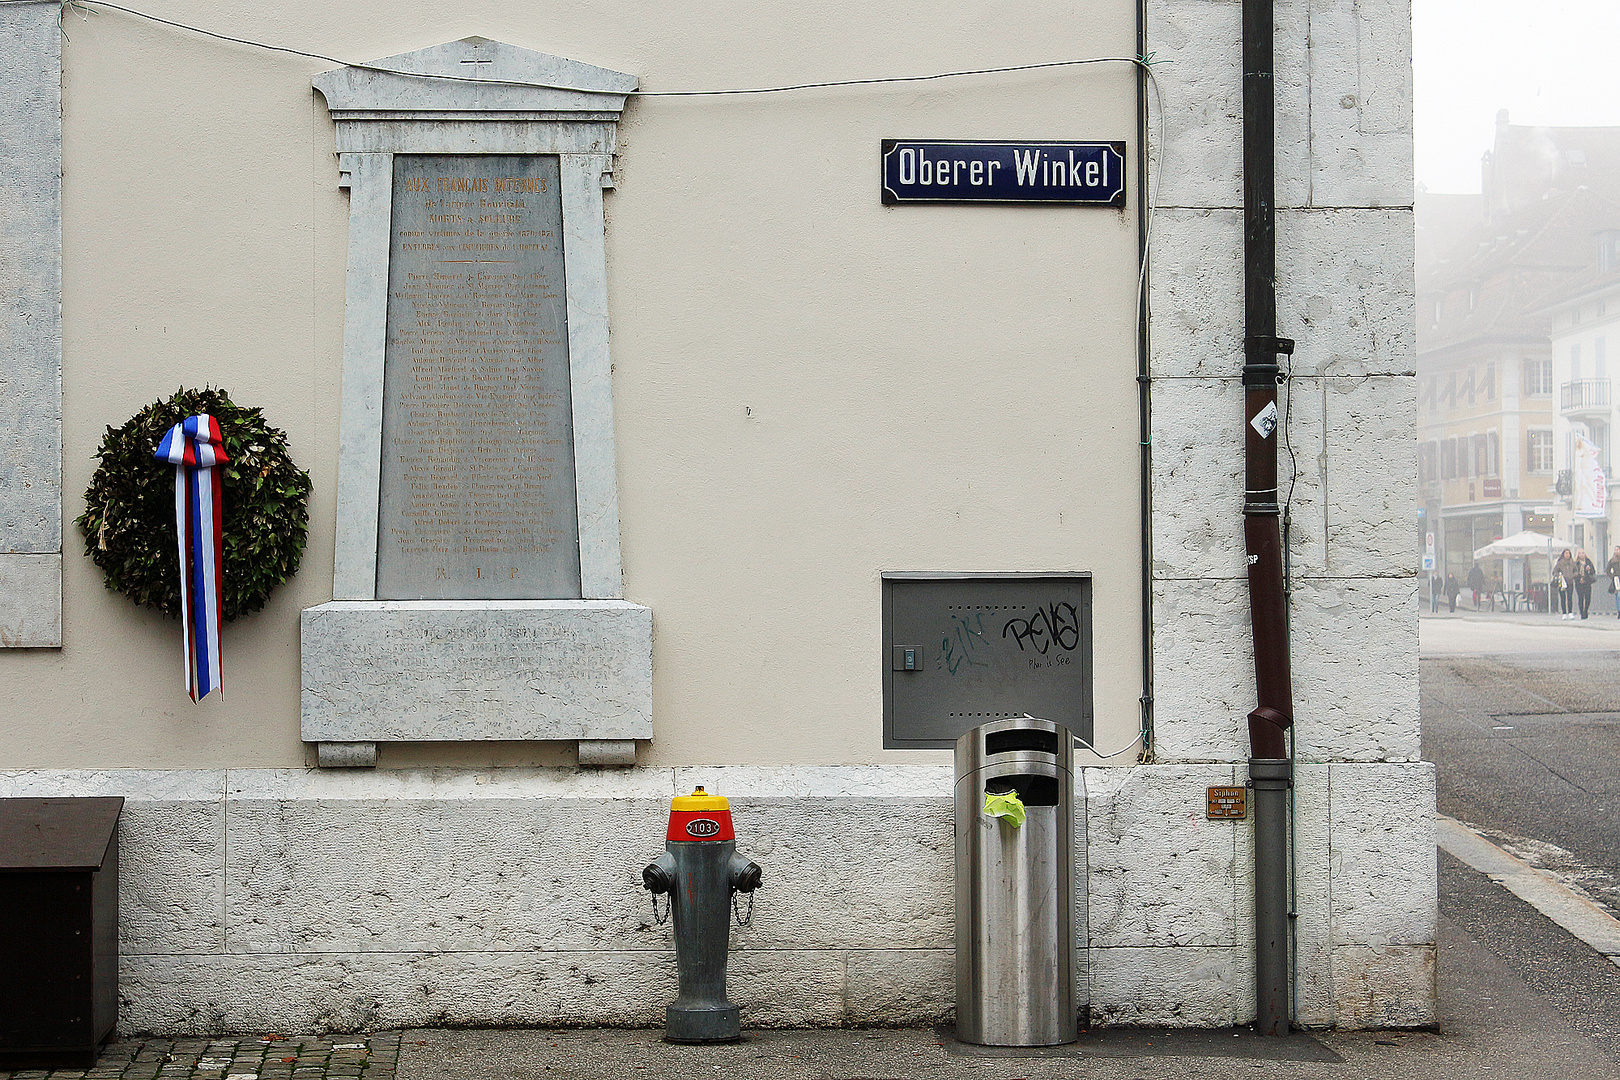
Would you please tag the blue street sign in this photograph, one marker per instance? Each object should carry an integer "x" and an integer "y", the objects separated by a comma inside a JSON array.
[{"x": 950, "y": 171}]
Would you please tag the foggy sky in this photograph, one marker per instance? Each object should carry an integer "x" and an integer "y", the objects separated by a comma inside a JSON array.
[{"x": 1554, "y": 62}]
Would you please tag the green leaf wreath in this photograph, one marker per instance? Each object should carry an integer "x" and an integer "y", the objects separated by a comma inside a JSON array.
[{"x": 128, "y": 522}]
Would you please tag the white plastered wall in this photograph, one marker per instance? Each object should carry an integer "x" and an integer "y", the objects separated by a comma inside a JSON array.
[
  {"x": 810, "y": 388},
  {"x": 799, "y": 377}
]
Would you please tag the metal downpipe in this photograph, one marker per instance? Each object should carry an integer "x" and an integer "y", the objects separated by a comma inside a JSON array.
[{"x": 1270, "y": 768}]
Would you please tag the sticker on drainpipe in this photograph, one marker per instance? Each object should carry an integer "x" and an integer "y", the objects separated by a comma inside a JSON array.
[{"x": 1265, "y": 421}]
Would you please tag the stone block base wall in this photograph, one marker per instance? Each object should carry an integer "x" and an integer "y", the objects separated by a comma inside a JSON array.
[{"x": 304, "y": 901}]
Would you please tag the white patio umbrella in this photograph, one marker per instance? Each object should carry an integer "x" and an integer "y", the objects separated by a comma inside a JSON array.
[
  {"x": 1523, "y": 545},
  {"x": 1517, "y": 546}
]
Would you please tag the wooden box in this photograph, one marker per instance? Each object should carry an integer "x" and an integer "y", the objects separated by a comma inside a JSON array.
[{"x": 58, "y": 930}]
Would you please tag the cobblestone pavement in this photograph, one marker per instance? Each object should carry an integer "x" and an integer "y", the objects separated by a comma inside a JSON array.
[{"x": 240, "y": 1057}]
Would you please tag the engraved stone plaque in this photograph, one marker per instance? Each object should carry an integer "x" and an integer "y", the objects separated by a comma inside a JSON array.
[
  {"x": 460, "y": 670},
  {"x": 477, "y": 495}
]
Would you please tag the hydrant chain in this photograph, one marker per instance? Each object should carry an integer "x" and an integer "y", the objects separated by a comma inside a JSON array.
[
  {"x": 743, "y": 920},
  {"x": 660, "y": 920}
]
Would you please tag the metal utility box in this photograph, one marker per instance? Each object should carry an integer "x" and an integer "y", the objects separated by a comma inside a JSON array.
[
  {"x": 960, "y": 649},
  {"x": 59, "y": 911},
  {"x": 1015, "y": 896}
]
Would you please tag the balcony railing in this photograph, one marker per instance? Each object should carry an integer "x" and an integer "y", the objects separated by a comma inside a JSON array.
[{"x": 1585, "y": 396}]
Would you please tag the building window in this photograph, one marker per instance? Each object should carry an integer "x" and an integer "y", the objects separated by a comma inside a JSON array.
[
  {"x": 1575, "y": 363},
  {"x": 1482, "y": 460},
  {"x": 1541, "y": 451},
  {"x": 1448, "y": 459},
  {"x": 1538, "y": 377},
  {"x": 1493, "y": 454},
  {"x": 1490, "y": 382}
]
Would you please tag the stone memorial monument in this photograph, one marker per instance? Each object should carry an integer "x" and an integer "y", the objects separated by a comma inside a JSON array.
[{"x": 477, "y": 587}]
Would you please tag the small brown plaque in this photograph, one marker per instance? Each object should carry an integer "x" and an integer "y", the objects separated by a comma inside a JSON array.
[{"x": 1227, "y": 803}]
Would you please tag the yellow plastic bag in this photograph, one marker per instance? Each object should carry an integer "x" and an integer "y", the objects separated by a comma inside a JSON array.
[{"x": 1007, "y": 806}]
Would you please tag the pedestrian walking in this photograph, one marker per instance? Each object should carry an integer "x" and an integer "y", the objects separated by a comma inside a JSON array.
[
  {"x": 1564, "y": 581},
  {"x": 1437, "y": 585},
  {"x": 1452, "y": 589},
  {"x": 1613, "y": 570},
  {"x": 1585, "y": 575},
  {"x": 1476, "y": 582}
]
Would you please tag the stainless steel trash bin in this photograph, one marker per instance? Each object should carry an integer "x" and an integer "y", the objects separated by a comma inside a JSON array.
[{"x": 1015, "y": 902}]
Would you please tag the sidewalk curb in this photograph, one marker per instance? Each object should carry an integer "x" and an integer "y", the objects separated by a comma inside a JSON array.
[{"x": 1540, "y": 889}]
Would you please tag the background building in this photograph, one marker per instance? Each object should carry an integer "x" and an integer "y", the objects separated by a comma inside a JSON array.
[
  {"x": 1492, "y": 401},
  {"x": 809, "y": 390},
  {"x": 1583, "y": 319}
]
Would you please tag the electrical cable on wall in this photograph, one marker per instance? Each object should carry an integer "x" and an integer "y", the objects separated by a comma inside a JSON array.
[
  {"x": 1146, "y": 62},
  {"x": 1083, "y": 742},
  {"x": 1142, "y": 61}
]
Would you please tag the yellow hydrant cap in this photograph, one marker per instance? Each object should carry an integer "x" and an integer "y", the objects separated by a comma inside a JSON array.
[{"x": 697, "y": 801}]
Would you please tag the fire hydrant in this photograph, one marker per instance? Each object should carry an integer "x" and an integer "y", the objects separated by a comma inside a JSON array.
[{"x": 701, "y": 872}]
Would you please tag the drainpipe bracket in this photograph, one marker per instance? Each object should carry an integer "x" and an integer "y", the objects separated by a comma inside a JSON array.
[
  {"x": 1260, "y": 355},
  {"x": 1260, "y": 344}
]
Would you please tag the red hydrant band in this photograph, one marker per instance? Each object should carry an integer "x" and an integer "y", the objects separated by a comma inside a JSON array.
[{"x": 696, "y": 825}]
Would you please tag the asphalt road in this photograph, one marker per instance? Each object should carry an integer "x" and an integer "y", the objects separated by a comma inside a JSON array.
[
  {"x": 1522, "y": 720},
  {"x": 1526, "y": 747}
]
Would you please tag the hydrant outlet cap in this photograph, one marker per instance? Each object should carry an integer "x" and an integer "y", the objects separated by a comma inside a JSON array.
[{"x": 698, "y": 800}]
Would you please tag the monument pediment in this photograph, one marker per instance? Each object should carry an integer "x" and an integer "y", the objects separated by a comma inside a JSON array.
[{"x": 500, "y": 79}]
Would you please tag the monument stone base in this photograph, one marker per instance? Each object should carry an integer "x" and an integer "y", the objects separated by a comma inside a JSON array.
[{"x": 475, "y": 670}]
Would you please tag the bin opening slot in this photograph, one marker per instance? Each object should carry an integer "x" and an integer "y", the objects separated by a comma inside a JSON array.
[
  {"x": 1007, "y": 742},
  {"x": 1032, "y": 790}
]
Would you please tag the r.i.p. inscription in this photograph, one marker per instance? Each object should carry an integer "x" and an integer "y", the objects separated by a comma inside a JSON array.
[{"x": 477, "y": 498}]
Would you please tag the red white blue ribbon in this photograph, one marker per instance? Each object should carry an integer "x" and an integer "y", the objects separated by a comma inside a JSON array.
[{"x": 194, "y": 446}]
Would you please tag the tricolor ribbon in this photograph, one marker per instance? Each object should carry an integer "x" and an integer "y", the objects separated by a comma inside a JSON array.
[{"x": 194, "y": 446}]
